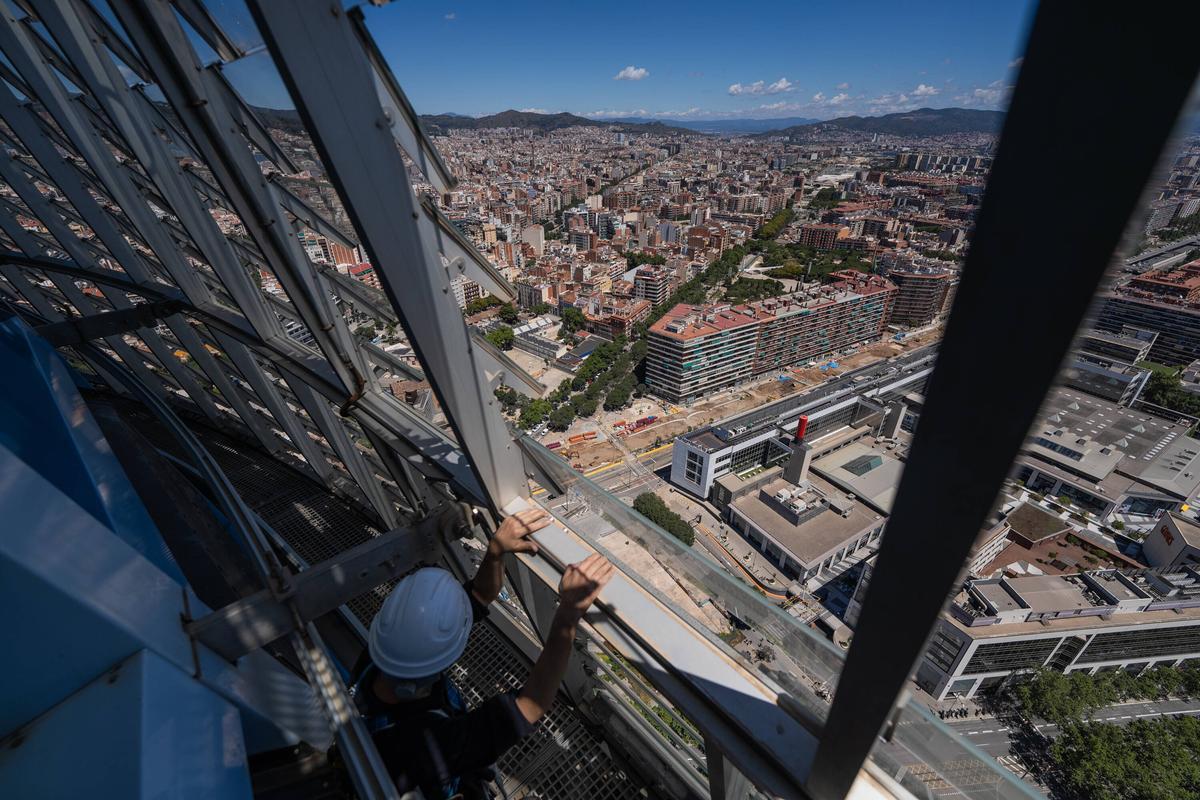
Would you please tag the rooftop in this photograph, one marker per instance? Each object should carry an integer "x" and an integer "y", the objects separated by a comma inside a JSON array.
[
  {"x": 1049, "y": 593},
  {"x": 1182, "y": 280},
  {"x": 866, "y": 468},
  {"x": 1078, "y": 600},
  {"x": 813, "y": 538},
  {"x": 1188, "y": 528},
  {"x": 1034, "y": 523},
  {"x": 686, "y": 322},
  {"x": 1093, "y": 437},
  {"x": 729, "y": 431}
]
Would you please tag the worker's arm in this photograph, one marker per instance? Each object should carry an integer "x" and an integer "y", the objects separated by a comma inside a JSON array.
[
  {"x": 580, "y": 585},
  {"x": 511, "y": 537}
]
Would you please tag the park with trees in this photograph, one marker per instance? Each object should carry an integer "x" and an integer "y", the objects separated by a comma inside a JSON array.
[{"x": 651, "y": 506}]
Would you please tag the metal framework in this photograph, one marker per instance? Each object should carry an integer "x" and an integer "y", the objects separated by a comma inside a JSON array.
[
  {"x": 140, "y": 197},
  {"x": 1024, "y": 291}
]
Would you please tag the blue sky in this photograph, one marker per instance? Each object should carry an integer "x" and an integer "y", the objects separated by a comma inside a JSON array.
[{"x": 697, "y": 60}]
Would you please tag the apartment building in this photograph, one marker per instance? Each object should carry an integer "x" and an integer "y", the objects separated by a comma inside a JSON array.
[
  {"x": 532, "y": 292},
  {"x": 823, "y": 320},
  {"x": 921, "y": 294},
  {"x": 1165, "y": 301},
  {"x": 615, "y": 317},
  {"x": 653, "y": 283},
  {"x": 820, "y": 236},
  {"x": 694, "y": 350},
  {"x": 1176, "y": 322},
  {"x": 1179, "y": 283},
  {"x": 1130, "y": 345}
]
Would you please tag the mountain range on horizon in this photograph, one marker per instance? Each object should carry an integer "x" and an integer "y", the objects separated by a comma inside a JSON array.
[
  {"x": 915, "y": 123},
  {"x": 725, "y": 125},
  {"x": 541, "y": 122},
  {"x": 918, "y": 122}
]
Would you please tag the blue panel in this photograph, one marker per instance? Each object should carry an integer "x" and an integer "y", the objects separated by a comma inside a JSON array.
[
  {"x": 145, "y": 730},
  {"x": 47, "y": 425},
  {"x": 76, "y": 598}
]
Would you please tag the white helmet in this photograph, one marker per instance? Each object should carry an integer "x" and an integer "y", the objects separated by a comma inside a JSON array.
[{"x": 423, "y": 626}]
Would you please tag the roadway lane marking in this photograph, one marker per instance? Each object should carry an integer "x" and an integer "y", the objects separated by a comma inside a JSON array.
[
  {"x": 658, "y": 449},
  {"x": 989, "y": 730},
  {"x": 588, "y": 474}
]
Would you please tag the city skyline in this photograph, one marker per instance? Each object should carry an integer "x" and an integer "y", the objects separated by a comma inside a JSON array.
[{"x": 786, "y": 64}]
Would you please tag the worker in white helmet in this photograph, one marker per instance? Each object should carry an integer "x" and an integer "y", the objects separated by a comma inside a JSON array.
[{"x": 416, "y": 715}]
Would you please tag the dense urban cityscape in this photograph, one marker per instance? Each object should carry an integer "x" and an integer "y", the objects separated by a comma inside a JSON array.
[
  {"x": 708, "y": 342},
  {"x": 687, "y": 301}
]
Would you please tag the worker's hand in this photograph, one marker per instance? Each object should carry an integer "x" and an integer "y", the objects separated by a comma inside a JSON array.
[
  {"x": 580, "y": 585},
  {"x": 513, "y": 534}
]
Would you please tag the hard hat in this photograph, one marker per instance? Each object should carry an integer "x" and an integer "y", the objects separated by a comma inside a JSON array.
[{"x": 423, "y": 626}]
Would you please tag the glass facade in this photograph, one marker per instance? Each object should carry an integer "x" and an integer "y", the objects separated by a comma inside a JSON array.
[
  {"x": 999, "y": 656},
  {"x": 1123, "y": 645}
]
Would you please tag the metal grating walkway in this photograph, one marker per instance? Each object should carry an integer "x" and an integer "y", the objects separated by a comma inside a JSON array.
[{"x": 562, "y": 759}]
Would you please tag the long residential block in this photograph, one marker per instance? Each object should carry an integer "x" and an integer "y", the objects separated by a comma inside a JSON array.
[{"x": 694, "y": 350}]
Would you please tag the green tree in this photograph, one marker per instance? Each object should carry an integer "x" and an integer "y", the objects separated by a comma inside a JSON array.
[
  {"x": 534, "y": 413},
  {"x": 777, "y": 223},
  {"x": 584, "y": 406},
  {"x": 1187, "y": 227},
  {"x": 572, "y": 319},
  {"x": 482, "y": 304},
  {"x": 562, "y": 417},
  {"x": 502, "y": 337},
  {"x": 746, "y": 290},
  {"x": 825, "y": 198},
  {"x": 541, "y": 308},
  {"x": 1165, "y": 389},
  {"x": 1145, "y": 760},
  {"x": 636, "y": 259},
  {"x": 561, "y": 393},
  {"x": 509, "y": 314},
  {"x": 508, "y": 398},
  {"x": 651, "y": 506}
]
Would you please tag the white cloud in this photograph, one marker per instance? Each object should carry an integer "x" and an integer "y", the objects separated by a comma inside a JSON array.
[
  {"x": 632, "y": 73},
  {"x": 762, "y": 87},
  {"x": 990, "y": 96},
  {"x": 609, "y": 113},
  {"x": 838, "y": 99},
  {"x": 451, "y": 16},
  {"x": 534, "y": 111},
  {"x": 842, "y": 85},
  {"x": 1016, "y": 62},
  {"x": 924, "y": 90},
  {"x": 819, "y": 97},
  {"x": 890, "y": 103}
]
